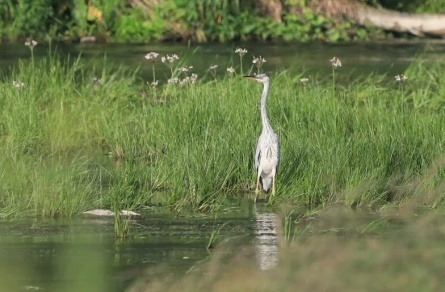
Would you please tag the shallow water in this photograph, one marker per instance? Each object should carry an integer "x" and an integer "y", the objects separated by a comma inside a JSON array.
[
  {"x": 83, "y": 255},
  {"x": 250, "y": 251}
]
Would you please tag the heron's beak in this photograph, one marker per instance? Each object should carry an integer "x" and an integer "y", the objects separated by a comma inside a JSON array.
[{"x": 250, "y": 77}]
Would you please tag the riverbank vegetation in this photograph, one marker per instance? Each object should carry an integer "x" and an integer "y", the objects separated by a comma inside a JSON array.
[
  {"x": 198, "y": 21},
  {"x": 74, "y": 137}
]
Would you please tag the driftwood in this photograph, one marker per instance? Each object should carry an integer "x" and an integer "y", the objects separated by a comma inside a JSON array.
[
  {"x": 339, "y": 10},
  {"x": 365, "y": 15},
  {"x": 417, "y": 24}
]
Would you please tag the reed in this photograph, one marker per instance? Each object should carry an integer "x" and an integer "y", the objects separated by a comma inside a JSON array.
[{"x": 73, "y": 136}]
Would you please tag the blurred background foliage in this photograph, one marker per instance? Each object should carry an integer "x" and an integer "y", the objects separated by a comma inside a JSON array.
[{"x": 195, "y": 20}]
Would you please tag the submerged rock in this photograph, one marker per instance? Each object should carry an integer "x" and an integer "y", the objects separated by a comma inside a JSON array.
[
  {"x": 108, "y": 213},
  {"x": 99, "y": 212}
]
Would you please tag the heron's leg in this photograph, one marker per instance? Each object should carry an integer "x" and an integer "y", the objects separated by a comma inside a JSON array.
[
  {"x": 273, "y": 185},
  {"x": 273, "y": 182},
  {"x": 257, "y": 188}
]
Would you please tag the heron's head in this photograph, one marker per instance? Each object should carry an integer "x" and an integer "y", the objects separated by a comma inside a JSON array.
[{"x": 262, "y": 78}]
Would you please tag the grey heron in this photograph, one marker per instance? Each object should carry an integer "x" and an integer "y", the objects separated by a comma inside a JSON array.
[{"x": 267, "y": 155}]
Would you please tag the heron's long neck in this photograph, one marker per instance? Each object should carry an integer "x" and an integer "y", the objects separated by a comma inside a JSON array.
[{"x": 264, "y": 119}]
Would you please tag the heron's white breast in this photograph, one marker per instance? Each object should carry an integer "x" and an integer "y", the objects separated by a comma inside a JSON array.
[{"x": 269, "y": 159}]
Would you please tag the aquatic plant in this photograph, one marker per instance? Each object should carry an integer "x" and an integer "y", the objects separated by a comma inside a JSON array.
[
  {"x": 241, "y": 52},
  {"x": 214, "y": 235},
  {"x": 31, "y": 44},
  {"x": 121, "y": 225},
  {"x": 336, "y": 63},
  {"x": 258, "y": 63},
  {"x": 212, "y": 69},
  {"x": 152, "y": 57},
  {"x": 231, "y": 70}
]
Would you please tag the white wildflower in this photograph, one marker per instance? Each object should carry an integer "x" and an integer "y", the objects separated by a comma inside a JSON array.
[
  {"x": 185, "y": 68},
  {"x": 173, "y": 80},
  {"x": 96, "y": 80},
  {"x": 188, "y": 80},
  {"x": 400, "y": 77},
  {"x": 169, "y": 59},
  {"x": 241, "y": 51},
  {"x": 31, "y": 43},
  {"x": 335, "y": 62},
  {"x": 213, "y": 67},
  {"x": 18, "y": 84},
  {"x": 151, "y": 55},
  {"x": 231, "y": 70},
  {"x": 184, "y": 81},
  {"x": 259, "y": 60},
  {"x": 193, "y": 78},
  {"x": 304, "y": 80},
  {"x": 172, "y": 58}
]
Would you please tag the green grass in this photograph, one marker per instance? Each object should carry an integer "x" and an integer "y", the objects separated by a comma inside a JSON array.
[{"x": 71, "y": 144}]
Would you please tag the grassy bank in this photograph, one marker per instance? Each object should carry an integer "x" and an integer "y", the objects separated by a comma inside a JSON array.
[{"x": 74, "y": 138}]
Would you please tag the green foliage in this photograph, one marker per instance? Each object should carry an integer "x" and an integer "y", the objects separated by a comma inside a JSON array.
[
  {"x": 217, "y": 20},
  {"x": 223, "y": 20},
  {"x": 419, "y": 6},
  {"x": 26, "y": 18},
  {"x": 197, "y": 20},
  {"x": 431, "y": 6},
  {"x": 93, "y": 17},
  {"x": 109, "y": 9},
  {"x": 79, "y": 13},
  {"x": 133, "y": 26}
]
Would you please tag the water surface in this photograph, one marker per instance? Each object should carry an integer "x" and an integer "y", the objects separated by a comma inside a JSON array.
[
  {"x": 358, "y": 59},
  {"x": 82, "y": 254},
  {"x": 168, "y": 253}
]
